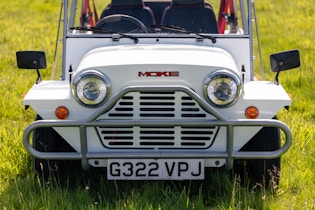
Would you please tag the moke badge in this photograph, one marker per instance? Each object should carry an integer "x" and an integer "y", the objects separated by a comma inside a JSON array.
[{"x": 158, "y": 74}]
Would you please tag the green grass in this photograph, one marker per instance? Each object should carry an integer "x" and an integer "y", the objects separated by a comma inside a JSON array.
[{"x": 32, "y": 25}]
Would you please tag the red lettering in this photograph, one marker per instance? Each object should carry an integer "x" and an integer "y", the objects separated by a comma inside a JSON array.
[
  {"x": 140, "y": 74},
  {"x": 174, "y": 74},
  {"x": 154, "y": 74},
  {"x": 158, "y": 74}
]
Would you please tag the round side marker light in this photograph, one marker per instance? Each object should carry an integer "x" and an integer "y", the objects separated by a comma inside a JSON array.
[
  {"x": 251, "y": 112},
  {"x": 62, "y": 113}
]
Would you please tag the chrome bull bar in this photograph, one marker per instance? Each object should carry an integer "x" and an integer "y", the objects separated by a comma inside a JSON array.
[{"x": 84, "y": 155}]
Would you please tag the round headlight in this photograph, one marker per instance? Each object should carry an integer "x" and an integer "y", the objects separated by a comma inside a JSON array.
[
  {"x": 222, "y": 88},
  {"x": 91, "y": 88}
]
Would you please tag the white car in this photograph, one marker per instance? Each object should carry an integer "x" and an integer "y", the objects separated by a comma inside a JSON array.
[{"x": 157, "y": 90}]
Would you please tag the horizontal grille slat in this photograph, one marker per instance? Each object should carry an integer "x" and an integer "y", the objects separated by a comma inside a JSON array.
[
  {"x": 197, "y": 132},
  {"x": 156, "y": 143},
  {"x": 124, "y": 103},
  {"x": 156, "y": 132},
  {"x": 118, "y": 137},
  {"x": 157, "y": 109},
  {"x": 156, "y": 98},
  {"x": 193, "y": 144},
  {"x": 124, "y": 109},
  {"x": 157, "y": 115},
  {"x": 194, "y": 115},
  {"x": 170, "y": 105},
  {"x": 161, "y": 138},
  {"x": 193, "y": 138},
  {"x": 116, "y": 132},
  {"x": 120, "y": 114},
  {"x": 190, "y": 109},
  {"x": 188, "y": 104},
  {"x": 157, "y": 103}
]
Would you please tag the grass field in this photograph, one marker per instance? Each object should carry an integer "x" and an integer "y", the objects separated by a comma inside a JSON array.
[{"x": 32, "y": 25}]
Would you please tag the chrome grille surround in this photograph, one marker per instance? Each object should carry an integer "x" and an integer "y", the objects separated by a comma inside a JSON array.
[{"x": 169, "y": 105}]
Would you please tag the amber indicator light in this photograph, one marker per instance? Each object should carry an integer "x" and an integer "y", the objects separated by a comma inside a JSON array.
[
  {"x": 62, "y": 112},
  {"x": 252, "y": 112}
]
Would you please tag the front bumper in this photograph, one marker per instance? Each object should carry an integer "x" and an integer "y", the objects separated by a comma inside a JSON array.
[
  {"x": 229, "y": 154},
  {"x": 84, "y": 155}
]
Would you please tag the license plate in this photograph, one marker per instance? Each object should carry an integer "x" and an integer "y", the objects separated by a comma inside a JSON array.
[{"x": 152, "y": 169}]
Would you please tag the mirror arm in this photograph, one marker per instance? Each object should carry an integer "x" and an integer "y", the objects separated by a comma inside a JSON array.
[
  {"x": 276, "y": 80},
  {"x": 39, "y": 78}
]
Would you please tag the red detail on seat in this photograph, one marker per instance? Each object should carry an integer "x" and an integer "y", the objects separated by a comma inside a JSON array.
[
  {"x": 224, "y": 7},
  {"x": 87, "y": 15}
]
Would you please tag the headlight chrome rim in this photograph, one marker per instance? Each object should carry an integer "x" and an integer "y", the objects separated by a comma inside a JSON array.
[
  {"x": 91, "y": 88},
  {"x": 225, "y": 93}
]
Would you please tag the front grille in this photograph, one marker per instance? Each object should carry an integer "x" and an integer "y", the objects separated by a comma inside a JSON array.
[
  {"x": 157, "y": 106},
  {"x": 168, "y": 137}
]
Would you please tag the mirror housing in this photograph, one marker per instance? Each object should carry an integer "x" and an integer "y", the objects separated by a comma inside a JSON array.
[
  {"x": 31, "y": 60},
  {"x": 285, "y": 60}
]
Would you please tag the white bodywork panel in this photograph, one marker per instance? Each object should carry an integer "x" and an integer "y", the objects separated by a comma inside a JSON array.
[{"x": 164, "y": 51}]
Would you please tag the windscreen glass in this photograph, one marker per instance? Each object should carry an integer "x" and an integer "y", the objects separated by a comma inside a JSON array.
[{"x": 157, "y": 17}]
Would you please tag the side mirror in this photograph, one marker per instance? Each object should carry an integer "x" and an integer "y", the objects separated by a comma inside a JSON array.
[
  {"x": 284, "y": 61},
  {"x": 31, "y": 60}
]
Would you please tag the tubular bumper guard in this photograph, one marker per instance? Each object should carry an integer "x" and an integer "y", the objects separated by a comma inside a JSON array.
[{"x": 84, "y": 155}]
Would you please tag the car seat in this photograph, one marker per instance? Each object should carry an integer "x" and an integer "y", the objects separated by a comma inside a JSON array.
[{"x": 194, "y": 15}]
